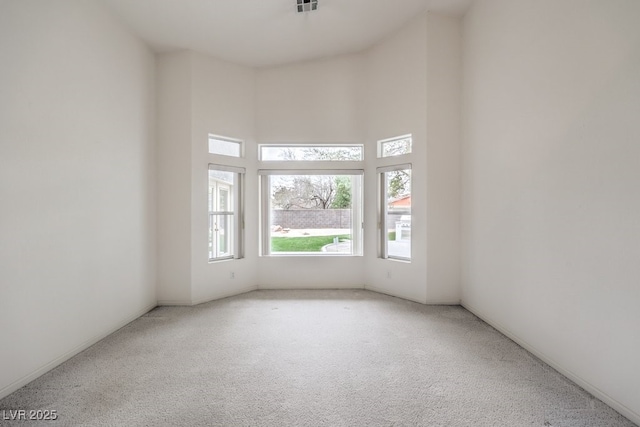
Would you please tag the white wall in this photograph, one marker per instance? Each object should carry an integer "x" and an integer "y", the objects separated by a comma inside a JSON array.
[
  {"x": 317, "y": 101},
  {"x": 174, "y": 178},
  {"x": 198, "y": 95},
  {"x": 222, "y": 104},
  {"x": 396, "y": 104},
  {"x": 77, "y": 217},
  {"x": 444, "y": 108},
  {"x": 551, "y": 184},
  {"x": 413, "y": 86}
]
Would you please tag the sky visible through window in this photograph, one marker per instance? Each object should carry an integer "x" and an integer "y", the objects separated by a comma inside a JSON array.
[
  {"x": 311, "y": 153},
  {"x": 395, "y": 146}
]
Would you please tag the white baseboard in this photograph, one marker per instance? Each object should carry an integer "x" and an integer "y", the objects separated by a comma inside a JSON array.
[
  {"x": 442, "y": 302},
  {"x": 426, "y": 301},
  {"x": 395, "y": 294},
  {"x": 174, "y": 302},
  {"x": 595, "y": 391},
  {"x": 6, "y": 391},
  {"x": 211, "y": 297},
  {"x": 308, "y": 288},
  {"x": 221, "y": 295}
]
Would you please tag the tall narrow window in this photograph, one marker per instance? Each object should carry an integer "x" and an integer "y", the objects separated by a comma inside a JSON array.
[
  {"x": 395, "y": 212},
  {"x": 225, "y": 212}
]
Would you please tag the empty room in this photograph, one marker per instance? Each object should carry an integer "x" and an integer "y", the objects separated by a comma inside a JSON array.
[{"x": 320, "y": 212}]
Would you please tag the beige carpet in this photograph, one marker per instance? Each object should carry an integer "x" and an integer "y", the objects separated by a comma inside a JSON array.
[{"x": 309, "y": 358}]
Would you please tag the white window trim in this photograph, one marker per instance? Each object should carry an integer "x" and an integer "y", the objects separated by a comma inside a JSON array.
[
  {"x": 282, "y": 145},
  {"x": 299, "y": 171},
  {"x": 382, "y": 210},
  {"x": 357, "y": 226},
  {"x": 395, "y": 138},
  {"x": 227, "y": 139},
  {"x": 238, "y": 209}
]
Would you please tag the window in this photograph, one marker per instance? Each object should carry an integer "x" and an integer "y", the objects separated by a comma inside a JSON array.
[
  {"x": 225, "y": 212},
  {"x": 394, "y": 146},
  {"x": 315, "y": 213},
  {"x": 307, "y": 5},
  {"x": 322, "y": 152},
  {"x": 311, "y": 204},
  {"x": 395, "y": 211},
  {"x": 225, "y": 146}
]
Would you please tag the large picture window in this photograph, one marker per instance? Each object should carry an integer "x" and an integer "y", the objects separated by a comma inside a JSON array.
[
  {"x": 311, "y": 212},
  {"x": 225, "y": 212},
  {"x": 311, "y": 204},
  {"x": 395, "y": 211}
]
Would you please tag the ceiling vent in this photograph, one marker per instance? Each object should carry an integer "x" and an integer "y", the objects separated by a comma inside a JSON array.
[{"x": 307, "y": 5}]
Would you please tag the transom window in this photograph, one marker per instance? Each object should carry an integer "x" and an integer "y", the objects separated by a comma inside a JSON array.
[
  {"x": 396, "y": 146},
  {"x": 314, "y": 153},
  {"x": 225, "y": 146}
]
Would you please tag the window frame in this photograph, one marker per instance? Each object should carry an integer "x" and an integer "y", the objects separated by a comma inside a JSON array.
[
  {"x": 382, "y": 142},
  {"x": 236, "y": 211},
  {"x": 238, "y": 142},
  {"x": 311, "y": 167},
  {"x": 383, "y": 237},
  {"x": 310, "y": 161}
]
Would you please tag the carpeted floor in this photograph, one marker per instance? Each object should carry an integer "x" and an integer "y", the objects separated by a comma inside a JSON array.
[{"x": 309, "y": 358}]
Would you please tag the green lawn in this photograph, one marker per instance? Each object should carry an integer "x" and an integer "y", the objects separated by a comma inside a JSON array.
[{"x": 303, "y": 244}]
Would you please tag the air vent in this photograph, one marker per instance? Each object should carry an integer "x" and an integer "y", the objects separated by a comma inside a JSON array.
[{"x": 307, "y": 5}]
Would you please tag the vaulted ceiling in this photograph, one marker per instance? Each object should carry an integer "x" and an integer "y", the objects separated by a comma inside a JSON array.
[{"x": 271, "y": 32}]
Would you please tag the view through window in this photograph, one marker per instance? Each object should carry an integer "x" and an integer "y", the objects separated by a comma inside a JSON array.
[
  {"x": 225, "y": 231},
  {"x": 311, "y": 211},
  {"x": 396, "y": 221},
  {"x": 396, "y": 146},
  {"x": 314, "y": 153}
]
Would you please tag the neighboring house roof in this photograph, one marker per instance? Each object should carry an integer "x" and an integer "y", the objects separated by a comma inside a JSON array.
[{"x": 401, "y": 202}]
